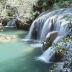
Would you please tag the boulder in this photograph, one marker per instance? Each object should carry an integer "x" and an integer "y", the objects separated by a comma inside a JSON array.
[
  {"x": 21, "y": 25},
  {"x": 49, "y": 39}
]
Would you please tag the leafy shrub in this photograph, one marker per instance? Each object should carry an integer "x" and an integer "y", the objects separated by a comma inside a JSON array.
[
  {"x": 28, "y": 10},
  {"x": 21, "y": 9}
]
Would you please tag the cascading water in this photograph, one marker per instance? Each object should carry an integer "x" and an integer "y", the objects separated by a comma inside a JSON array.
[
  {"x": 46, "y": 28},
  {"x": 47, "y": 55},
  {"x": 39, "y": 22},
  {"x": 48, "y": 22},
  {"x": 56, "y": 20},
  {"x": 11, "y": 23}
]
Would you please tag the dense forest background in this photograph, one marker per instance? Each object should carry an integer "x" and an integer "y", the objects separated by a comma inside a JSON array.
[{"x": 27, "y": 10}]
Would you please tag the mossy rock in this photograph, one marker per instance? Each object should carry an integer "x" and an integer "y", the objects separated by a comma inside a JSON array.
[
  {"x": 18, "y": 24},
  {"x": 57, "y": 57},
  {"x": 46, "y": 45},
  {"x": 21, "y": 25},
  {"x": 49, "y": 39}
]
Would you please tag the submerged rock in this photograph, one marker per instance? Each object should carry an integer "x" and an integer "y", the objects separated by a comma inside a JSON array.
[{"x": 7, "y": 38}]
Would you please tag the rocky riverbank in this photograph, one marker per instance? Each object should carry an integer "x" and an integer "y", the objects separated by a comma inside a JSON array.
[{"x": 65, "y": 64}]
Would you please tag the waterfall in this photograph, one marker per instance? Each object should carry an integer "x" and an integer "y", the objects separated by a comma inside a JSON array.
[
  {"x": 46, "y": 28},
  {"x": 11, "y": 23},
  {"x": 52, "y": 21},
  {"x": 56, "y": 20},
  {"x": 39, "y": 23}
]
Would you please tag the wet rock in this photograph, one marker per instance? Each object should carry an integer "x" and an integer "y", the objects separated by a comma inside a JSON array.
[
  {"x": 4, "y": 21},
  {"x": 21, "y": 25},
  {"x": 57, "y": 57},
  {"x": 67, "y": 60},
  {"x": 49, "y": 39}
]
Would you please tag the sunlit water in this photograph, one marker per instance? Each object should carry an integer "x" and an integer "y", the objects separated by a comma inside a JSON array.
[{"x": 18, "y": 56}]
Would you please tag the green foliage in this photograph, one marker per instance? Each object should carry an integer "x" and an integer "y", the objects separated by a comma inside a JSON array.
[
  {"x": 21, "y": 9},
  {"x": 60, "y": 50},
  {"x": 67, "y": 39},
  {"x": 44, "y": 5},
  {"x": 46, "y": 45},
  {"x": 61, "y": 4},
  {"x": 28, "y": 10}
]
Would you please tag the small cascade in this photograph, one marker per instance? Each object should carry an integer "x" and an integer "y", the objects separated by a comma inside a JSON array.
[
  {"x": 58, "y": 38},
  {"x": 11, "y": 23},
  {"x": 31, "y": 30},
  {"x": 56, "y": 20},
  {"x": 47, "y": 55},
  {"x": 46, "y": 28}
]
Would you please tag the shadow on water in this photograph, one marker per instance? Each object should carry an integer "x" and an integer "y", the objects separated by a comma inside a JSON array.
[{"x": 19, "y": 56}]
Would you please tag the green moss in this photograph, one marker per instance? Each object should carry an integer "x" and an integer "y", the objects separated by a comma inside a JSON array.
[{"x": 46, "y": 45}]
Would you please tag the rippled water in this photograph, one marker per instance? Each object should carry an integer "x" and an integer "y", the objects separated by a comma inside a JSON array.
[{"x": 18, "y": 56}]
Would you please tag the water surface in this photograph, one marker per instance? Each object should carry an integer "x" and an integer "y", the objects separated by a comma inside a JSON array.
[{"x": 18, "y": 56}]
